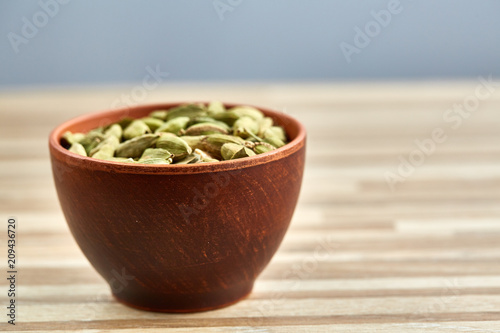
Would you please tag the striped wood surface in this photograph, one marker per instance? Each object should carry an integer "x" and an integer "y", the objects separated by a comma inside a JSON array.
[{"x": 358, "y": 257}]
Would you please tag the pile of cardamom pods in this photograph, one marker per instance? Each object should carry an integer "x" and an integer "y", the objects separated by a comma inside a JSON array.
[{"x": 186, "y": 134}]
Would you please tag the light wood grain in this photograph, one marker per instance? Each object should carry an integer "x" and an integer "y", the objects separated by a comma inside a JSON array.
[{"x": 358, "y": 257}]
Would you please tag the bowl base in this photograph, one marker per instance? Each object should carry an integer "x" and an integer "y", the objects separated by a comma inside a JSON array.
[{"x": 203, "y": 302}]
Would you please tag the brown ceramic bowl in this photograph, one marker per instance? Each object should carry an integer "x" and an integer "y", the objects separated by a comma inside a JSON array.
[{"x": 178, "y": 238}]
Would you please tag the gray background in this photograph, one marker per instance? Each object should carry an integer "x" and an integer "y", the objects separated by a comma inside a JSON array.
[{"x": 88, "y": 42}]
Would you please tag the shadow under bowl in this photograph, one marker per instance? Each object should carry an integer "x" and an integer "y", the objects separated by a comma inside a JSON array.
[{"x": 178, "y": 238}]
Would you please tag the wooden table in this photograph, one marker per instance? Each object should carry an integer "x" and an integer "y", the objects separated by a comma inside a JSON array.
[{"x": 397, "y": 227}]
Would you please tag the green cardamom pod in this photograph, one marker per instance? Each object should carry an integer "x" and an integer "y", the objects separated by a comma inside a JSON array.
[
  {"x": 212, "y": 143},
  {"x": 159, "y": 114},
  {"x": 111, "y": 141},
  {"x": 99, "y": 130},
  {"x": 78, "y": 149},
  {"x": 106, "y": 151},
  {"x": 215, "y": 107},
  {"x": 204, "y": 156},
  {"x": 228, "y": 117},
  {"x": 204, "y": 128},
  {"x": 175, "y": 145},
  {"x": 91, "y": 140},
  {"x": 125, "y": 121},
  {"x": 189, "y": 110},
  {"x": 276, "y": 132},
  {"x": 135, "y": 147},
  {"x": 155, "y": 153},
  {"x": 135, "y": 129},
  {"x": 228, "y": 150},
  {"x": 69, "y": 138},
  {"x": 195, "y": 141},
  {"x": 231, "y": 151},
  {"x": 262, "y": 147},
  {"x": 153, "y": 123},
  {"x": 114, "y": 130},
  {"x": 264, "y": 124},
  {"x": 247, "y": 111},
  {"x": 211, "y": 120},
  {"x": 244, "y": 126},
  {"x": 190, "y": 159},
  {"x": 252, "y": 137},
  {"x": 174, "y": 125},
  {"x": 274, "y": 141}
]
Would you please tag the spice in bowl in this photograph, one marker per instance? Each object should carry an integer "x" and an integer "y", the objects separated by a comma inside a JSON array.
[{"x": 185, "y": 134}]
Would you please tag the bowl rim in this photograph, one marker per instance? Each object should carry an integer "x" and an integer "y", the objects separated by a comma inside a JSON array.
[{"x": 57, "y": 151}]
